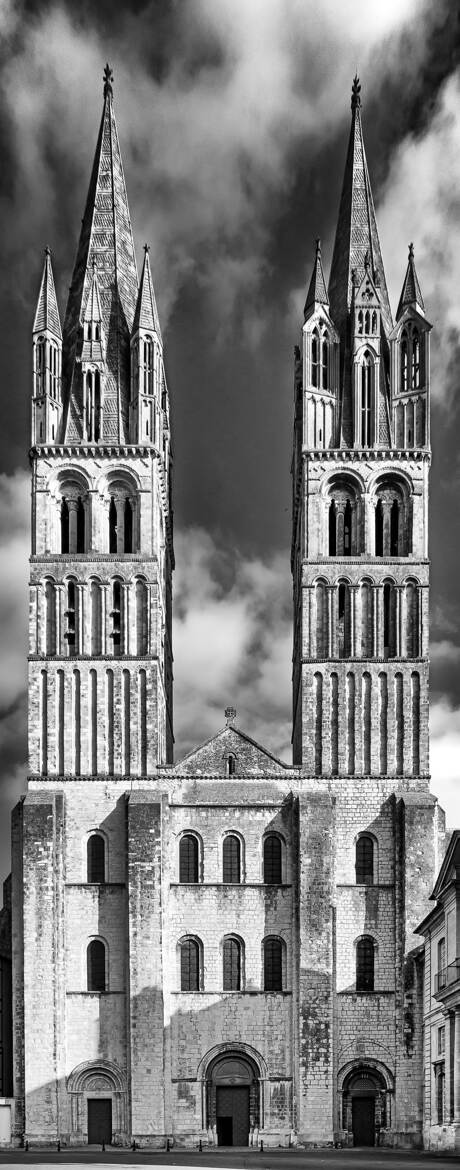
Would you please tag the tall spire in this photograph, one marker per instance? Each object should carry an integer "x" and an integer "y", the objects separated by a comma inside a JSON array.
[
  {"x": 356, "y": 233},
  {"x": 411, "y": 293},
  {"x": 47, "y": 312},
  {"x": 317, "y": 292},
  {"x": 106, "y": 237},
  {"x": 146, "y": 314}
]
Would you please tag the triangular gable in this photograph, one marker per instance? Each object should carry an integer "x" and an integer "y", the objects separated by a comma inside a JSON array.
[
  {"x": 450, "y": 868},
  {"x": 211, "y": 758}
]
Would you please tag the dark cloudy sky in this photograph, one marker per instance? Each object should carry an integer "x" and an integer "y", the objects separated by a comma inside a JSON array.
[{"x": 233, "y": 118}]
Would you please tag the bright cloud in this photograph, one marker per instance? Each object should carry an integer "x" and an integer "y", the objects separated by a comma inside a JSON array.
[{"x": 423, "y": 191}]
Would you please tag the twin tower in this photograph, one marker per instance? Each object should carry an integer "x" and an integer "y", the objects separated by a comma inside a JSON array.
[{"x": 222, "y": 949}]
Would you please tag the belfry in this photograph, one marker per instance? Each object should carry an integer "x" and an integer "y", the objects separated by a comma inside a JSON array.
[{"x": 222, "y": 949}]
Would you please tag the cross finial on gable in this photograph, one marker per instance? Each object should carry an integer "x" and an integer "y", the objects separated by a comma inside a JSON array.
[{"x": 230, "y": 715}]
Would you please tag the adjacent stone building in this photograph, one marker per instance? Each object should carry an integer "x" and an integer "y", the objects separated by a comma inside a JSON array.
[{"x": 223, "y": 949}]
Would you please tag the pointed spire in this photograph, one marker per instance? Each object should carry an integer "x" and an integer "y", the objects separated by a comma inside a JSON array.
[
  {"x": 411, "y": 294},
  {"x": 146, "y": 314},
  {"x": 317, "y": 292},
  {"x": 106, "y": 235},
  {"x": 47, "y": 312},
  {"x": 356, "y": 235}
]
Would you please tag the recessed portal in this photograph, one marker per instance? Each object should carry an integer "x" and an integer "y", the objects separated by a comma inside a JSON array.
[
  {"x": 232, "y": 1115},
  {"x": 363, "y": 1121},
  {"x": 99, "y": 1121}
]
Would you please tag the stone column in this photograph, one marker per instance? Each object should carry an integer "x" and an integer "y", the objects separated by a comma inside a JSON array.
[
  {"x": 457, "y": 1065},
  {"x": 398, "y": 640},
  {"x": 72, "y": 506},
  {"x": 120, "y": 506},
  {"x": 386, "y": 510},
  {"x": 353, "y": 624},
  {"x": 378, "y": 621}
]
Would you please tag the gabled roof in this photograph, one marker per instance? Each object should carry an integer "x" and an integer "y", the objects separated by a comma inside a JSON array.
[
  {"x": 47, "y": 312},
  {"x": 105, "y": 236},
  {"x": 450, "y": 868},
  {"x": 317, "y": 292},
  {"x": 411, "y": 295},
  {"x": 356, "y": 232},
  {"x": 211, "y": 757},
  {"x": 146, "y": 314}
]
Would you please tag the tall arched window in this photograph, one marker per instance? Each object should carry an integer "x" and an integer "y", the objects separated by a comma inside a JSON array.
[
  {"x": 189, "y": 965},
  {"x": 80, "y": 526},
  {"x": 412, "y": 619},
  {"x": 364, "y": 864},
  {"x": 365, "y": 950},
  {"x": 344, "y": 620},
  {"x": 394, "y": 529},
  {"x": 404, "y": 361},
  {"x": 415, "y": 364},
  {"x": 71, "y": 618},
  {"x": 40, "y": 366},
  {"x": 54, "y": 371},
  {"x": 231, "y": 956},
  {"x": 366, "y": 388},
  {"x": 389, "y": 620},
  {"x": 148, "y": 365},
  {"x": 188, "y": 858},
  {"x": 347, "y": 530},
  {"x": 95, "y": 856},
  {"x": 321, "y": 619},
  {"x": 116, "y": 618},
  {"x": 332, "y": 529},
  {"x": 112, "y": 526},
  {"x": 96, "y": 966},
  {"x": 64, "y": 526},
  {"x": 128, "y": 526},
  {"x": 315, "y": 360},
  {"x": 325, "y": 362},
  {"x": 343, "y": 518},
  {"x": 141, "y": 617},
  {"x": 231, "y": 860},
  {"x": 273, "y": 964},
  {"x": 50, "y": 617},
  {"x": 272, "y": 859},
  {"x": 367, "y": 640},
  {"x": 96, "y": 618}
]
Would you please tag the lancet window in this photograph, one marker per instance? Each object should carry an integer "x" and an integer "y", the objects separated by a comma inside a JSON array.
[
  {"x": 343, "y": 517},
  {"x": 391, "y": 520}
]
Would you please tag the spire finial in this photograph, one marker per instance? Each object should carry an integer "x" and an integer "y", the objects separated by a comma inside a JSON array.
[
  {"x": 411, "y": 251},
  {"x": 355, "y": 93},
  {"x": 108, "y": 80},
  {"x": 146, "y": 249},
  {"x": 47, "y": 251}
]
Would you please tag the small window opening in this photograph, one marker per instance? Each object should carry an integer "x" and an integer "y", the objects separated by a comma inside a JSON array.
[
  {"x": 70, "y": 617},
  {"x": 231, "y": 765},
  {"x": 365, "y": 964},
  {"x": 96, "y": 966},
  {"x": 188, "y": 859},
  {"x": 112, "y": 526},
  {"x": 128, "y": 527},
  {"x": 189, "y": 965},
  {"x": 64, "y": 526},
  {"x": 364, "y": 861},
  {"x": 231, "y": 965},
  {"x": 332, "y": 530},
  {"x": 394, "y": 529},
  {"x": 116, "y": 617},
  {"x": 314, "y": 360},
  {"x": 231, "y": 860},
  {"x": 272, "y": 860},
  {"x": 80, "y": 526},
  {"x": 96, "y": 858},
  {"x": 379, "y": 529},
  {"x": 273, "y": 965},
  {"x": 347, "y": 529},
  {"x": 325, "y": 364}
]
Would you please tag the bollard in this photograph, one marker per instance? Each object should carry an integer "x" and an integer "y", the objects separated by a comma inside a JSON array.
[
  {"x": 103, "y": 1147},
  {"x": 58, "y": 1146},
  {"x": 167, "y": 1145},
  {"x": 27, "y": 1146},
  {"x": 261, "y": 1146},
  {"x": 200, "y": 1146},
  {"x": 134, "y": 1147}
]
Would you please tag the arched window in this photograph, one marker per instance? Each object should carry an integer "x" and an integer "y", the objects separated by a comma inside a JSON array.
[
  {"x": 412, "y": 619},
  {"x": 54, "y": 371},
  {"x": 273, "y": 964},
  {"x": 366, "y": 373},
  {"x": 394, "y": 529},
  {"x": 441, "y": 971},
  {"x": 95, "y": 854},
  {"x": 64, "y": 526},
  {"x": 188, "y": 858},
  {"x": 389, "y": 620},
  {"x": 364, "y": 864},
  {"x": 367, "y": 640},
  {"x": 231, "y": 764},
  {"x": 231, "y": 957},
  {"x": 379, "y": 529},
  {"x": 96, "y": 966},
  {"x": 365, "y": 964},
  {"x": 404, "y": 361},
  {"x": 272, "y": 859},
  {"x": 315, "y": 360},
  {"x": 374, "y": 322},
  {"x": 70, "y": 616},
  {"x": 128, "y": 527},
  {"x": 344, "y": 620},
  {"x": 360, "y": 321},
  {"x": 367, "y": 321},
  {"x": 415, "y": 366},
  {"x": 189, "y": 965},
  {"x": 321, "y": 619},
  {"x": 116, "y": 618},
  {"x": 325, "y": 362},
  {"x": 40, "y": 366},
  {"x": 148, "y": 365},
  {"x": 80, "y": 526},
  {"x": 50, "y": 617},
  {"x": 96, "y": 618},
  {"x": 231, "y": 860},
  {"x": 332, "y": 529},
  {"x": 112, "y": 526},
  {"x": 141, "y": 617},
  {"x": 347, "y": 530}
]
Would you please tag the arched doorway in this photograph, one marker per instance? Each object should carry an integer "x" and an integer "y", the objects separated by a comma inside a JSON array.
[
  {"x": 98, "y": 1104},
  {"x": 364, "y": 1105},
  {"x": 233, "y": 1098}
]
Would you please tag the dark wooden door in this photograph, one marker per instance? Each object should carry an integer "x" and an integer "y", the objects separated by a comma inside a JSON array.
[
  {"x": 99, "y": 1121},
  {"x": 232, "y": 1115},
  {"x": 363, "y": 1116}
]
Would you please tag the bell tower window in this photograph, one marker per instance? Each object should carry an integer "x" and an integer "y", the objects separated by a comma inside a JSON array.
[
  {"x": 404, "y": 362},
  {"x": 415, "y": 369},
  {"x": 315, "y": 360},
  {"x": 116, "y": 618},
  {"x": 70, "y": 615},
  {"x": 112, "y": 526},
  {"x": 325, "y": 363},
  {"x": 148, "y": 365},
  {"x": 366, "y": 402},
  {"x": 64, "y": 526}
]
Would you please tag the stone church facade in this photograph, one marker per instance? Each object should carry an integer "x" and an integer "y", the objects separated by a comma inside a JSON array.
[{"x": 222, "y": 949}]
